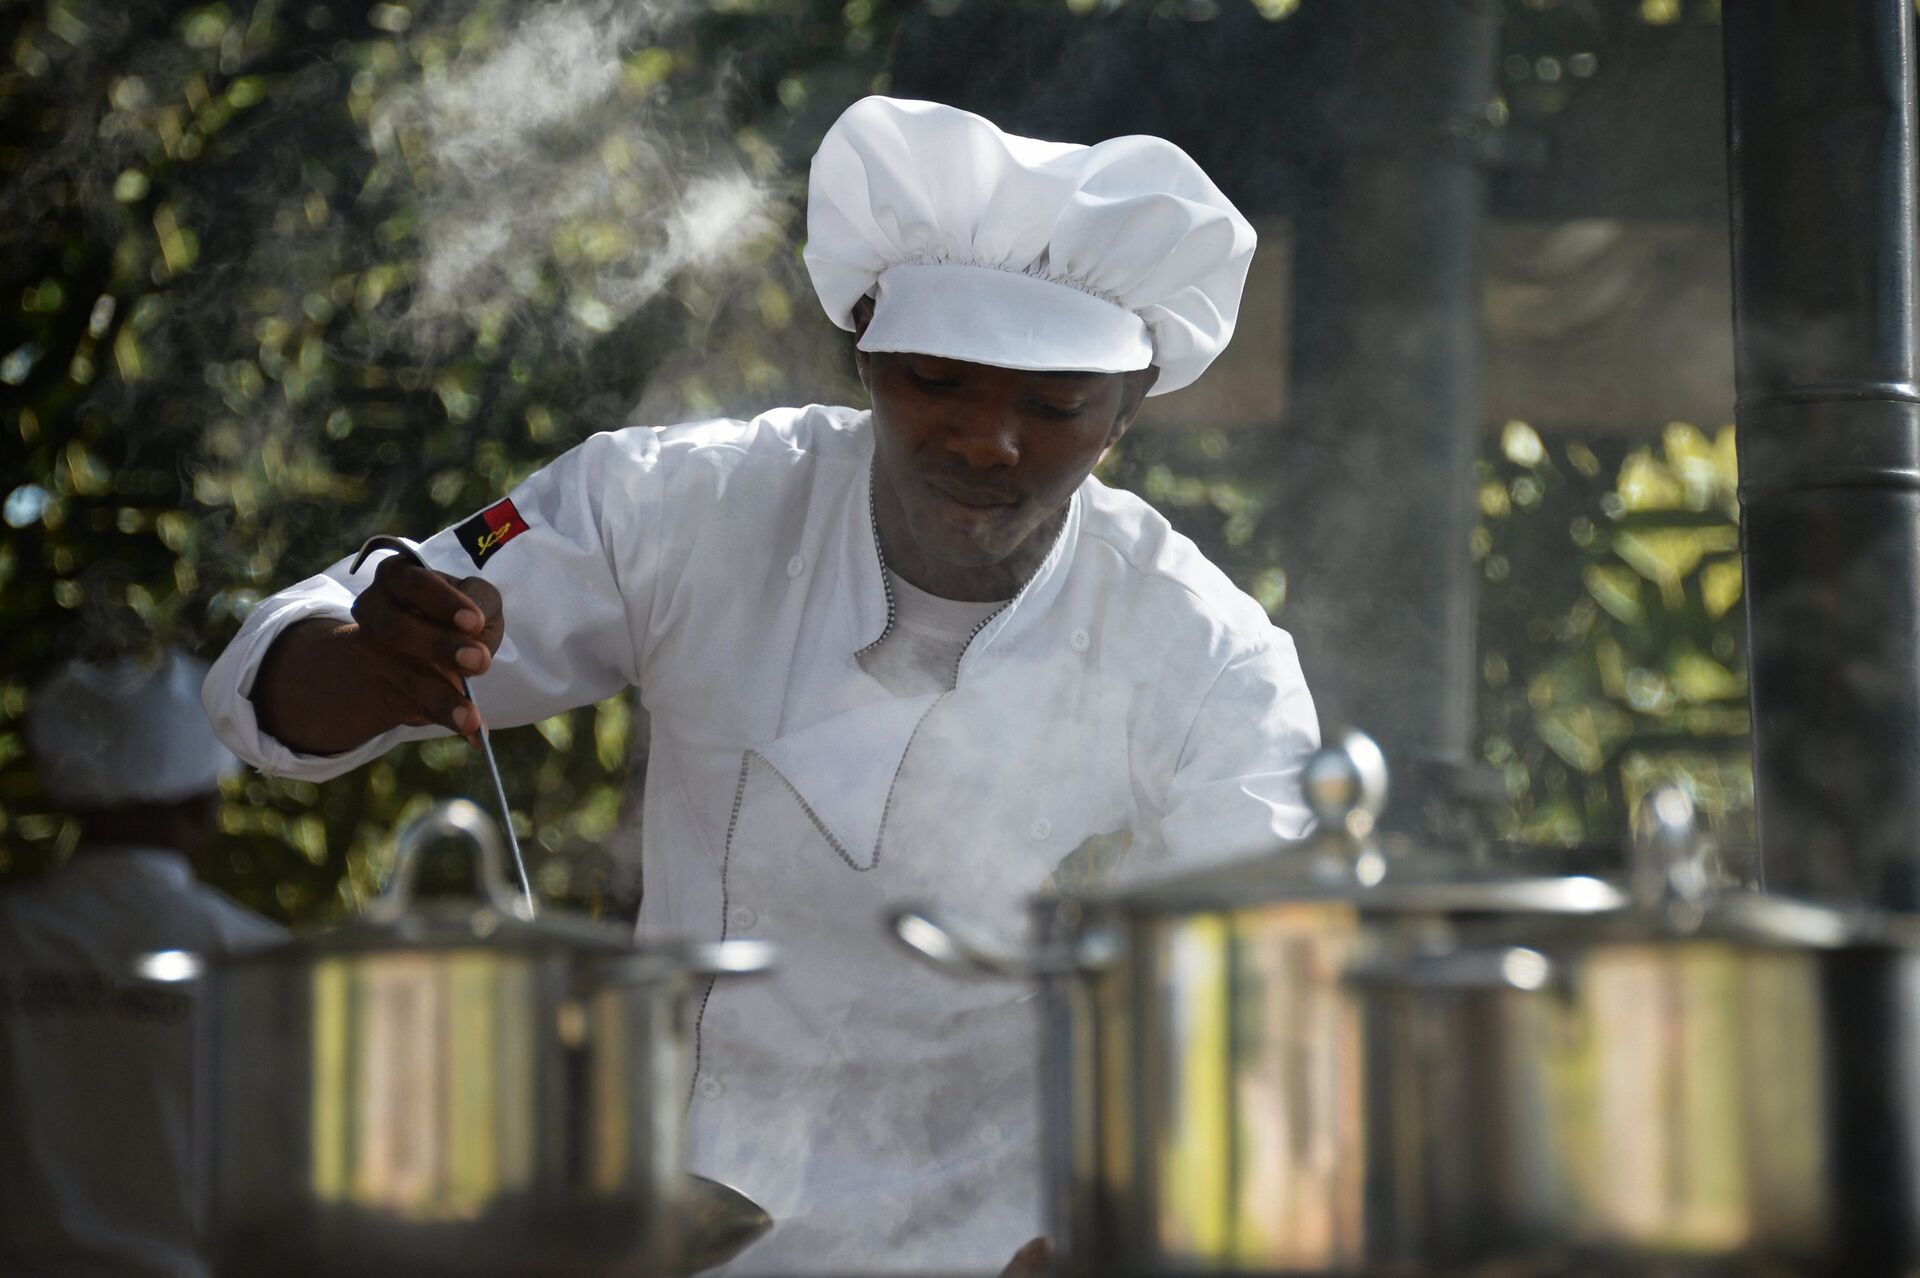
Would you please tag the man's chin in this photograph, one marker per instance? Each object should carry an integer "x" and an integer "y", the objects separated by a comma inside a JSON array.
[
  {"x": 958, "y": 552},
  {"x": 966, "y": 536},
  {"x": 963, "y": 548}
]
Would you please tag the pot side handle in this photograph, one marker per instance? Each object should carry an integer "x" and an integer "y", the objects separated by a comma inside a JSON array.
[
  {"x": 168, "y": 967},
  {"x": 1510, "y": 967},
  {"x": 731, "y": 958},
  {"x": 941, "y": 946},
  {"x": 708, "y": 958}
]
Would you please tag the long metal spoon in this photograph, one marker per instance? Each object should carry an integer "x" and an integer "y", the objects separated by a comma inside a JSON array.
[{"x": 382, "y": 541}]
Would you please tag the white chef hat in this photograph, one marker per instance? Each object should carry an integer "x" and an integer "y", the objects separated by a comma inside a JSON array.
[
  {"x": 982, "y": 246},
  {"x": 123, "y": 732}
]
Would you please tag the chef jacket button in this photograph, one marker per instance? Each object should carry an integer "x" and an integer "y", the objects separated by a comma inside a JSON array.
[
  {"x": 741, "y": 916},
  {"x": 1042, "y": 828},
  {"x": 710, "y": 1087},
  {"x": 796, "y": 565},
  {"x": 1080, "y": 640}
]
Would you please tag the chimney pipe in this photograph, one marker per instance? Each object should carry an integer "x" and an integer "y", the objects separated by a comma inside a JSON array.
[
  {"x": 1378, "y": 492},
  {"x": 1820, "y": 113}
]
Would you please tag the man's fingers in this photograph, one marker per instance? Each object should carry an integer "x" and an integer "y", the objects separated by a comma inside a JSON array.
[
  {"x": 390, "y": 623},
  {"x": 493, "y": 613},
  {"x": 429, "y": 594},
  {"x": 430, "y": 696},
  {"x": 431, "y": 632}
]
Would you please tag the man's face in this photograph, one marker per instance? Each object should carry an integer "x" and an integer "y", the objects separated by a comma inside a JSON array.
[{"x": 973, "y": 462}]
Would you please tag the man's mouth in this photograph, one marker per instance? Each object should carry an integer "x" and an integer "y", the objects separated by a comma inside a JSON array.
[{"x": 974, "y": 496}]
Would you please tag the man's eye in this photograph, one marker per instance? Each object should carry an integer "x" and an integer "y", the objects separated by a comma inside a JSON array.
[
  {"x": 924, "y": 382},
  {"x": 1062, "y": 411}
]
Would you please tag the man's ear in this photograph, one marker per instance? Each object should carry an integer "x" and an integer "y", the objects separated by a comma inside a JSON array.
[
  {"x": 862, "y": 316},
  {"x": 1133, "y": 393}
]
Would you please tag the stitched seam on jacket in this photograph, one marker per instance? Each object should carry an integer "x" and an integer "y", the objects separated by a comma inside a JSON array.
[{"x": 726, "y": 861}]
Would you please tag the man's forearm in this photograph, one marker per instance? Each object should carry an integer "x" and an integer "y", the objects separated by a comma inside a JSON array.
[{"x": 317, "y": 691}]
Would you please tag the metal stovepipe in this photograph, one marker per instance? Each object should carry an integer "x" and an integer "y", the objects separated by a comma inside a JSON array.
[
  {"x": 1820, "y": 97},
  {"x": 1379, "y": 449}
]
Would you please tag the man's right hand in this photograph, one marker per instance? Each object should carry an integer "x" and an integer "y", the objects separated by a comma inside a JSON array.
[{"x": 327, "y": 686}]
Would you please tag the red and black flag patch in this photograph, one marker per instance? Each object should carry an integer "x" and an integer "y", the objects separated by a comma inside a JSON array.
[{"x": 489, "y": 530}]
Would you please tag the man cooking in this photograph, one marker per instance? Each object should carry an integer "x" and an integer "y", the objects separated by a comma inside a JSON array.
[
  {"x": 908, "y": 653},
  {"x": 96, "y": 1076}
]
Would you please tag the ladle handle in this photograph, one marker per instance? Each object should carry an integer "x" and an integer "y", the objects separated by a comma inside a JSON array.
[
  {"x": 458, "y": 818},
  {"x": 401, "y": 546}
]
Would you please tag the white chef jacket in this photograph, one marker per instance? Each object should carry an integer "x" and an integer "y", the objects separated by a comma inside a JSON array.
[
  {"x": 883, "y": 1114},
  {"x": 96, "y": 1175}
]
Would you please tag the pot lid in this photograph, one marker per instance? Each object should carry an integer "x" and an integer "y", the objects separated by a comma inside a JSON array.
[
  {"x": 1734, "y": 916},
  {"x": 1315, "y": 870},
  {"x": 1673, "y": 896},
  {"x": 454, "y": 924},
  {"x": 498, "y": 920},
  {"x": 1345, "y": 786},
  {"x": 1668, "y": 893}
]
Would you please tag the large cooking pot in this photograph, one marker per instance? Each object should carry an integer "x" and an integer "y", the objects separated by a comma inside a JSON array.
[
  {"x": 1227, "y": 1087},
  {"x": 1722, "y": 1082},
  {"x": 1327, "y": 1062},
  {"x": 449, "y": 1087}
]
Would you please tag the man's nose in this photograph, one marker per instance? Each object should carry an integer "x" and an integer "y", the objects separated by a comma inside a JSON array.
[{"x": 985, "y": 440}]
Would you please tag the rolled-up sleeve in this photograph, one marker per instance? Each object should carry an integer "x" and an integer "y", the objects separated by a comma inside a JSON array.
[{"x": 577, "y": 584}]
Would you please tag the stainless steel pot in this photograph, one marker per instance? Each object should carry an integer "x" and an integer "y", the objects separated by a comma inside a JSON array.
[
  {"x": 1716, "y": 1082},
  {"x": 1227, "y": 1084},
  {"x": 449, "y": 1088},
  {"x": 1324, "y": 1063}
]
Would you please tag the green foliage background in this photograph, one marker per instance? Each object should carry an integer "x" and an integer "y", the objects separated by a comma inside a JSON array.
[{"x": 217, "y": 378}]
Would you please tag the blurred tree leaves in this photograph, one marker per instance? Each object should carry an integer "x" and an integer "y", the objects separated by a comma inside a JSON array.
[
  {"x": 1611, "y": 644},
  {"x": 1632, "y": 671},
  {"x": 282, "y": 283}
]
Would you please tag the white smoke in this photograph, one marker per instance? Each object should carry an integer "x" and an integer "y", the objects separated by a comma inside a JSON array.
[{"x": 562, "y": 154}]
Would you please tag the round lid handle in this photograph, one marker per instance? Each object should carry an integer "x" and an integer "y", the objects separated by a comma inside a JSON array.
[
  {"x": 1345, "y": 784},
  {"x": 1666, "y": 858},
  {"x": 456, "y": 819}
]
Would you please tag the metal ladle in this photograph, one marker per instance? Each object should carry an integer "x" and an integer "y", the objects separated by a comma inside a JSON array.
[{"x": 382, "y": 541}]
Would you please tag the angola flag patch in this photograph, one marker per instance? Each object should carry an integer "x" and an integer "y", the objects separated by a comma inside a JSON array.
[{"x": 489, "y": 530}]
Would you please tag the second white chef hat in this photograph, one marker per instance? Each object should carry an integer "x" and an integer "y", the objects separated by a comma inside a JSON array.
[
  {"x": 996, "y": 249},
  {"x": 126, "y": 731}
]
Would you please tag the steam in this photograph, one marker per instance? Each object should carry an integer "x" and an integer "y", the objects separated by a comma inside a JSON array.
[{"x": 558, "y": 144}]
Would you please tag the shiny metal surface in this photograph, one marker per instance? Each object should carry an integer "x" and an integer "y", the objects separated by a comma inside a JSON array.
[
  {"x": 1723, "y": 1080},
  {"x": 1345, "y": 785},
  {"x": 1307, "y": 1088},
  {"x": 1666, "y": 1099},
  {"x": 1685, "y": 1090},
  {"x": 443, "y": 1112},
  {"x": 1264, "y": 1070},
  {"x": 1823, "y": 168},
  {"x": 1220, "y": 1100},
  {"x": 718, "y": 1222},
  {"x": 417, "y": 1099}
]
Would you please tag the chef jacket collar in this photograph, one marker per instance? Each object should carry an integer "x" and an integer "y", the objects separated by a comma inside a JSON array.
[
  {"x": 840, "y": 758},
  {"x": 872, "y": 606}
]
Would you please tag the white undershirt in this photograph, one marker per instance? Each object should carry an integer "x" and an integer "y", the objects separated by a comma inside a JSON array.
[{"x": 922, "y": 651}]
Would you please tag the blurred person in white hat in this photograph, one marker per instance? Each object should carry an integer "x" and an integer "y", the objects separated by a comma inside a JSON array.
[
  {"x": 95, "y": 1065},
  {"x": 912, "y": 652}
]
